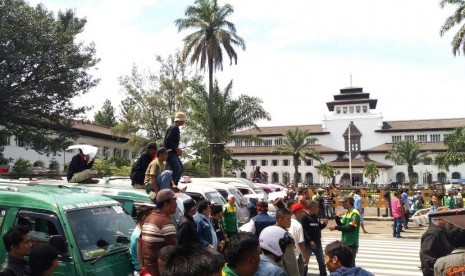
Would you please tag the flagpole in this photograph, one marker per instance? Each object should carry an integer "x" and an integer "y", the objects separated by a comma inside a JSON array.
[{"x": 350, "y": 157}]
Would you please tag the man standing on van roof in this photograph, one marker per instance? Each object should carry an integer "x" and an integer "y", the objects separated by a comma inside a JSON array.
[
  {"x": 171, "y": 143},
  {"x": 18, "y": 244},
  {"x": 79, "y": 169},
  {"x": 230, "y": 216},
  {"x": 158, "y": 230},
  {"x": 140, "y": 166}
]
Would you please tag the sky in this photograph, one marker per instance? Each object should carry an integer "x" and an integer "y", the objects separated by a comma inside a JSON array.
[{"x": 299, "y": 53}]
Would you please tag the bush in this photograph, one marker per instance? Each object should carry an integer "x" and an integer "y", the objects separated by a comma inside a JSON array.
[
  {"x": 39, "y": 163},
  {"x": 107, "y": 167},
  {"x": 21, "y": 165},
  {"x": 54, "y": 166}
]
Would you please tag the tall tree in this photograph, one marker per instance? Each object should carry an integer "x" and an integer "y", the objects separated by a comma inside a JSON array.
[
  {"x": 371, "y": 171},
  {"x": 455, "y": 154},
  {"x": 458, "y": 42},
  {"x": 42, "y": 67},
  {"x": 213, "y": 34},
  {"x": 295, "y": 144},
  {"x": 106, "y": 116},
  {"x": 327, "y": 172},
  {"x": 408, "y": 153},
  {"x": 229, "y": 115}
]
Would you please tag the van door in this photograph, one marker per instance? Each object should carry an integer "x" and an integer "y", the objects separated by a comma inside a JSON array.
[{"x": 43, "y": 225}]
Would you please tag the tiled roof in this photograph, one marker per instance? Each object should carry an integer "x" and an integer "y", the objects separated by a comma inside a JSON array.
[
  {"x": 280, "y": 130},
  {"x": 384, "y": 148},
  {"x": 270, "y": 150},
  {"x": 357, "y": 163},
  {"x": 97, "y": 131},
  {"x": 432, "y": 124}
]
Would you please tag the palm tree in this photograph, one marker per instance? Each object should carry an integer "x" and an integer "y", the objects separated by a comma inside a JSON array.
[
  {"x": 295, "y": 144},
  {"x": 371, "y": 171},
  {"x": 327, "y": 172},
  {"x": 455, "y": 154},
  {"x": 229, "y": 115},
  {"x": 408, "y": 152},
  {"x": 452, "y": 21}
]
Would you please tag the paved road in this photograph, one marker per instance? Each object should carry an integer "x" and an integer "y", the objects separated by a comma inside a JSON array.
[{"x": 379, "y": 252}]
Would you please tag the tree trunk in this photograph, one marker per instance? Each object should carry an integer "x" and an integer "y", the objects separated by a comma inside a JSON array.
[
  {"x": 210, "y": 116},
  {"x": 410, "y": 176},
  {"x": 296, "y": 170}
]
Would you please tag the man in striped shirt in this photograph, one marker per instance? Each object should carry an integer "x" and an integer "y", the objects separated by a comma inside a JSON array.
[{"x": 158, "y": 230}]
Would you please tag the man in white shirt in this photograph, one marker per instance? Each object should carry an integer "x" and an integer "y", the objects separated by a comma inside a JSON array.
[{"x": 297, "y": 232}]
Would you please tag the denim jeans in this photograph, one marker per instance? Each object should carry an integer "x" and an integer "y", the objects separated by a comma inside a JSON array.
[
  {"x": 163, "y": 181},
  {"x": 175, "y": 164},
  {"x": 320, "y": 257},
  {"x": 329, "y": 211},
  {"x": 396, "y": 227}
]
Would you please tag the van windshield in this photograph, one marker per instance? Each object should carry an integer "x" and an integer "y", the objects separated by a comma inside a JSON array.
[
  {"x": 239, "y": 197},
  {"x": 100, "y": 230},
  {"x": 215, "y": 197}
]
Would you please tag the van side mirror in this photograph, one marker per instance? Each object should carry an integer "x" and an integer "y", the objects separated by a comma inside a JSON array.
[{"x": 60, "y": 245}]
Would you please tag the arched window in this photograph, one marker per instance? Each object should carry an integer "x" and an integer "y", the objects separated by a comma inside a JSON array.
[
  {"x": 400, "y": 177},
  {"x": 275, "y": 177},
  {"x": 286, "y": 178},
  {"x": 309, "y": 178},
  {"x": 243, "y": 175},
  {"x": 455, "y": 175},
  {"x": 415, "y": 177},
  {"x": 298, "y": 176},
  {"x": 442, "y": 177}
]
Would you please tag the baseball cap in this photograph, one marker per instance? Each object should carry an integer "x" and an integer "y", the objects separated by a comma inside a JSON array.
[
  {"x": 231, "y": 196},
  {"x": 161, "y": 150},
  {"x": 297, "y": 207},
  {"x": 180, "y": 116},
  {"x": 165, "y": 194}
]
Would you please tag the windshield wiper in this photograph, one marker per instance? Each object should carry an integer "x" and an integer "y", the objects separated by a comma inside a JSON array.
[{"x": 111, "y": 249}]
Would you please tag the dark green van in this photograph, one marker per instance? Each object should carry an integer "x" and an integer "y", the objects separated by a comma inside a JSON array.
[{"x": 92, "y": 231}]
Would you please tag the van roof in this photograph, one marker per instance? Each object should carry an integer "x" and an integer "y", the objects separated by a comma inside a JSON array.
[
  {"x": 198, "y": 187},
  {"x": 52, "y": 199},
  {"x": 219, "y": 185}
]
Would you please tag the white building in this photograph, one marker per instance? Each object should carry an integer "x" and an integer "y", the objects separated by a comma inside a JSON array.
[
  {"x": 90, "y": 134},
  {"x": 370, "y": 137}
]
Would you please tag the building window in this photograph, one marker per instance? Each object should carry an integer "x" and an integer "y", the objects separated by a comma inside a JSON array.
[
  {"x": 308, "y": 178},
  {"x": 134, "y": 154},
  {"x": 278, "y": 142},
  {"x": 351, "y": 109},
  {"x": 409, "y": 137},
  {"x": 275, "y": 177},
  {"x": 243, "y": 162},
  {"x": 248, "y": 143},
  {"x": 310, "y": 141},
  {"x": 6, "y": 140},
  {"x": 20, "y": 142},
  {"x": 258, "y": 143},
  {"x": 358, "y": 109},
  {"x": 400, "y": 177},
  {"x": 274, "y": 162},
  {"x": 285, "y": 162},
  {"x": 435, "y": 137},
  {"x": 396, "y": 138},
  {"x": 365, "y": 109},
  {"x": 422, "y": 138},
  {"x": 126, "y": 153},
  {"x": 253, "y": 162},
  {"x": 442, "y": 178},
  {"x": 238, "y": 143},
  {"x": 264, "y": 162},
  {"x": 427, "y": 162},
  {"x": 106, "y": 151},
  {"x": 455, "y": 175},
  {"x": 309, "y": 162},
  {"x": 117, "y": 152},
  {"x": 344, "y": 110},
  {"x": 338, "y": 110},
  {"x": 268, "y": 142}
]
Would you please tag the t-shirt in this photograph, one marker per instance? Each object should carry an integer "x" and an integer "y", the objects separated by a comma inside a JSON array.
[
  {"x": 352, "y": 217},
  {"x": 396, "y": 210},
  {"x": 133, "y": 247},
  {"x": 155, "y": 169},
  {"x": 297, "y": 233}
]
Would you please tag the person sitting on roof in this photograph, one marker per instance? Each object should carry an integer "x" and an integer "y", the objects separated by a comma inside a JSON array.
[{"x": 79, "y": 169}]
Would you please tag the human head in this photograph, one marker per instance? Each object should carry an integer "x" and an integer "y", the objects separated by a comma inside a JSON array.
[
  {"x": 180, "y": 118},
  {"x": 298, "y": 210},
  {"x": 203, "y": 207},
  {"x": 312, "y": 207},
  {"x": 262, "y": 207},
  {"x": 436, "y": 199},
  {"x": 347, "y": 202},
  {"x": 151, "y": 148},
  {"x": 192, "y": 259},
  {"x": 141, "y": 213},
  {"x": 231, "y": 199},
  {"x": 166, "y": 201},
  {"x": 283, "y": 218},
  {"x": 274, "y": 240},
  {"x": 162, "y": 154},
  {"x": 244, "y": 253},
  {"x": 398, "y": 194},
  {"x": 17, "y": 241},
  {"x": 216, "y": 211},
  {"x": 164, "y": 255},
  {"x": 337, "y": 255},
  {"x": 43, "y": 260},
  {"x": 357, "y": 191},
  {"x": 189, "y": 207},
  {"x": 455, "y": 235}
]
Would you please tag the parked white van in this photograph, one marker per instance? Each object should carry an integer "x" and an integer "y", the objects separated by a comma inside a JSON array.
[{"x": 245, "y": 186}]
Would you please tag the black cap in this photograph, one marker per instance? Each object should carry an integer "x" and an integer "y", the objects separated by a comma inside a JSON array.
[
  {"x": 188, "y": 205},
  {"x": 161, "y": 150}
]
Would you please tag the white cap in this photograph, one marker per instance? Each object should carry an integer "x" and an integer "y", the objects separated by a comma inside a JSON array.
[
  {"x": 231, "y": 196},
  {"x": 273, "y": 239}
]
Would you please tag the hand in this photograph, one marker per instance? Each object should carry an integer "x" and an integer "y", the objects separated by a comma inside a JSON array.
[
  {"x": 325, "y": 221},
  {"x": 332, "y": 228},
  {"x": 312, "y": 245},
  {"x": 179, "y": 151},
  {"x": 338, "y": 214},
  {"x": 306, "y": 260}
]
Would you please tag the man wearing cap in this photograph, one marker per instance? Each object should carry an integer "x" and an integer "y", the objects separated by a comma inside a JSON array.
[
  {"x": 139, "y": 167},
  {"x": 230, "y": 216},
  {"x": 79, "y": 169},
  {"x": 297, "y": 232},
  {"x": 273, "y": 242},
  {"x": 158, "y": 230},
  {"x": 349, "y": 225},
  {"x": 156, "y": 176},
  {"x": 187, "y": 229},
  {"x": 171, "y": 143}
]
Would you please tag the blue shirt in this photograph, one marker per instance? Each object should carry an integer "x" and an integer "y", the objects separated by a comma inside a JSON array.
[
  {"x": 133, "y": 247},
  {"x": 205, "y": 231},
  {"x": 268, "y": 267},
  {"x": 406, "y": 200},
  {"x": 358, "y": 203}
]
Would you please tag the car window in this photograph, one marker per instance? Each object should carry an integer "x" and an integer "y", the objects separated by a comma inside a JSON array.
[
  {"x": 2, "y": 216},
  {"x": 42, "y": 225},
  {"x": 239, "y": 197},
  {"x": 215, "y": 197},
  {"x": 224, "y": 194}
]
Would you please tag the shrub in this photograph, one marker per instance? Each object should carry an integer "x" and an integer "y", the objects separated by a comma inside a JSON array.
[
  {"x": 21, "y": 165},
  {"x": 54, "y": 166},
  {"x": 39, "y": 163}
]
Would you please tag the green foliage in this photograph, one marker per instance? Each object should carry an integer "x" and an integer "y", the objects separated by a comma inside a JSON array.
[
  {"x": 42, "y": 67},
  {"x": 371, "y": 171},
  {"x": 458, "y": 42},
  {"x": 54, "y": 166},
  {"x": 196, "y": 168},
  {"x": 295, "y": 144},
  {"x": 21, "y": 165},
  {"x": 39, "y": 163},
  {"x": 327, "y": 172},
  {"x": 455, "y": 154},
  {"x": 106, "y": 116},
  {"x": 112, "y": 167},
  {"x": 216, "y": 125},
  {"x": 408, "y": 153}
]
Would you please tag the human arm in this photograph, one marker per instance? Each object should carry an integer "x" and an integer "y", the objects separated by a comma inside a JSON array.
[
  {"x": 428, "y": 253},
  {"x": 248, "y": 227},
  {"x": 304, "y": 252}
]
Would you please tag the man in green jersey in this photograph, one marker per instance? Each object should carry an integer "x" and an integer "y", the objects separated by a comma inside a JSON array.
[
  {"x": 349, "y": 225},
  {"x": 229, "y": 216}
]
